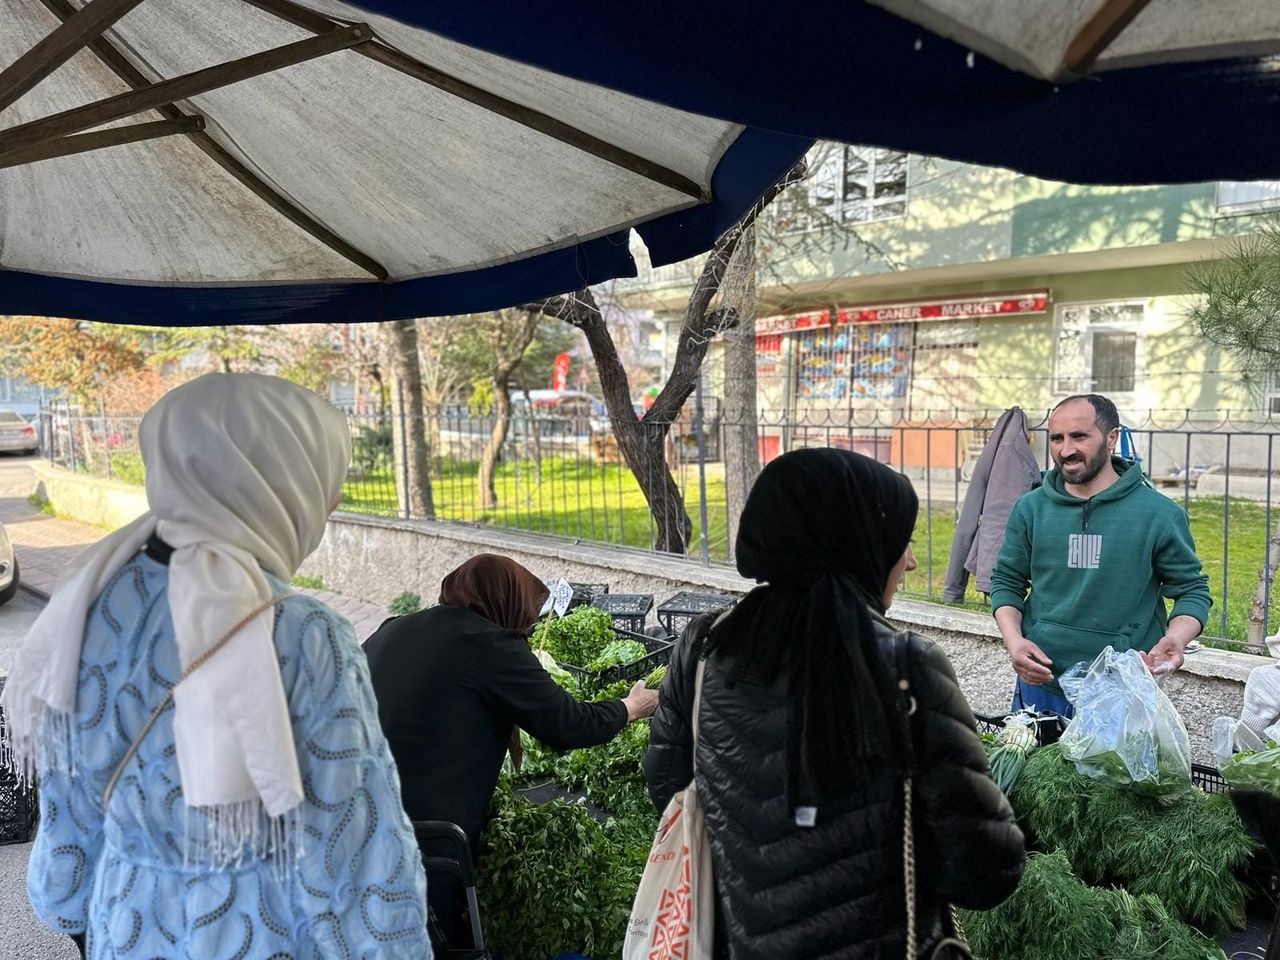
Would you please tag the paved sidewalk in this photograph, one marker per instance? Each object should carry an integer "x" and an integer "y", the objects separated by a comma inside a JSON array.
[{"x": 45, "y": 545}]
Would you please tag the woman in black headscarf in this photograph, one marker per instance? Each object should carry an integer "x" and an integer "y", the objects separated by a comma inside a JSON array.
[
  {"x": 457, "y": 682},
  {"x": 804, "y": 732}
]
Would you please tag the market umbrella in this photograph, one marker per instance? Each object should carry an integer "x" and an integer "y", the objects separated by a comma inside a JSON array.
[
  {"x": 240, "y": 161},
  {"x": 1089, "y": 91}
]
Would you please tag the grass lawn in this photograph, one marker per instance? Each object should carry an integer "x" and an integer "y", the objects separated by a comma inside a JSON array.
[
  {"x": 1247, "y": 522},
  {"x": 569, "y": 498},
  {"x": 576, "y": 498}
]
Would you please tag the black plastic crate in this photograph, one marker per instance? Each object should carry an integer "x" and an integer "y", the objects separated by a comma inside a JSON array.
[
  {"x": 678, "y": 611},
  {"x": 627, "y": 610},
  {"x": 1208, "y": 779},
  {"x": 19, "y": 807},
  {"x": 584, "y": 593}
]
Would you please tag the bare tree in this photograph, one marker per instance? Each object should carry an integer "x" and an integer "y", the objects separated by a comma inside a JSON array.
[{"x": 642, "y": 442}]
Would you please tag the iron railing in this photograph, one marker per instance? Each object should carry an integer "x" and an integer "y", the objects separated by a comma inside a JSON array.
[{"x": 564, "y": 476}]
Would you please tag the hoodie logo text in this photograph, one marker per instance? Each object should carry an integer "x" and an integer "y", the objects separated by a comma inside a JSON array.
[{"x": 1084, "y": 551}]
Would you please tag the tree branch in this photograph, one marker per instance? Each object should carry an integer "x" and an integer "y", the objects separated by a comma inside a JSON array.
[{"x": 700, "y": 323}]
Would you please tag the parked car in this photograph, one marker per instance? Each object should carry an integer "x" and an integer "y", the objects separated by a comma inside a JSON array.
[
  {"x": 16, "y": 434},
  {"x": 8, "y": 568}
]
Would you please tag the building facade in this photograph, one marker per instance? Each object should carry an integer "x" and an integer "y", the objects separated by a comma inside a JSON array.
[{"x": 942, "y": 293}]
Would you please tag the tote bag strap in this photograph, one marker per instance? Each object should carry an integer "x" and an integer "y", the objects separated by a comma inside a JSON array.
[{"x": 168, "y": 697}]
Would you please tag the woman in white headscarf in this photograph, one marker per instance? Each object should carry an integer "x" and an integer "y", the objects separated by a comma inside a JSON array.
[{"x": 259, "y": 816}]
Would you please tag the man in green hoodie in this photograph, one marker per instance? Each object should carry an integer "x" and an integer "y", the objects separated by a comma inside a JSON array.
[{"x": 1099, "y": 551}]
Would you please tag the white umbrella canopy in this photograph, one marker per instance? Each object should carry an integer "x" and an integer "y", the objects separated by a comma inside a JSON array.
[
  {"x": 323, "y": 162},
  {"x": 1064, "y": 39}
]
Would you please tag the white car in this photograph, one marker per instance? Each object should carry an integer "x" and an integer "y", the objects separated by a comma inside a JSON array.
[
  {"x": 8, "y": 568},
  {"x": 16, "y": 434}
]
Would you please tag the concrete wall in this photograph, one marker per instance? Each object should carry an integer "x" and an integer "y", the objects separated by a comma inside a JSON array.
[
  {"x": 376, "y": 559},
  {"x": 103, "y": 503}
]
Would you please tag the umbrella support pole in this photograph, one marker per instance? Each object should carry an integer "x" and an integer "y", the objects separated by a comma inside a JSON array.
[
  {"x": 114, "y": 137},
  {"x": 120, "y": 65},
  {"x": 166, "y": 92},
  {"x": 543, "y": 123},
  {"x": 70, "y": 37}
]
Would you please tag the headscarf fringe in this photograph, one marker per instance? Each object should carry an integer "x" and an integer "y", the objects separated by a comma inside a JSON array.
[
  {"x": 229, "y": 835},
  {"x": 46, "y": 743}
]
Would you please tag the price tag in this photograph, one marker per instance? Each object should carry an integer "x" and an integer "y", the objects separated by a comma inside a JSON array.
[{"x": 559, "y": 596}]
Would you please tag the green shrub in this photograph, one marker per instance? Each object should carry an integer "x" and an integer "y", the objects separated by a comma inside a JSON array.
[
  {"x": 307, "y": 582},
  {"x": 126, "y": 466},
  {"x": 405, "y": 603}
]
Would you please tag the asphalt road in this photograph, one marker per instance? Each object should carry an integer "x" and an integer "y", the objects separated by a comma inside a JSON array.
[{"x": 21, "y": 935}]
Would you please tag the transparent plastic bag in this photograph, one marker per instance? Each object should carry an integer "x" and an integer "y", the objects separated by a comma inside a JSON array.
[
  {"x": 1245, "y": 760},
  {"x": 1126, "y": 732}
]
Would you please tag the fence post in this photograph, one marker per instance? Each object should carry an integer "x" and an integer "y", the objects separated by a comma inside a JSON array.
[
  {"x": 71, "y": 440},
  {"x": 702, "y": 467},
  {"x": 106, "y": 436},
  {"x": 404, "y": 450}
]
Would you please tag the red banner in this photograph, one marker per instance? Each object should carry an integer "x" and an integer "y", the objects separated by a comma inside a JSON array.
[
  {"x": 560, "y": 372},
  {"x": 959, "y": 308}
]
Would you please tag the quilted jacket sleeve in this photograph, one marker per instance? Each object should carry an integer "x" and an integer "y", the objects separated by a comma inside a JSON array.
[
  {"x": 976, "y": 847},
  {"x": 668, "y": 760}
]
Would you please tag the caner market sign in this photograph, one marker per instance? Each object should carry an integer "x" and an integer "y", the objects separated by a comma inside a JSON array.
[{"x": 959, "y": 308}]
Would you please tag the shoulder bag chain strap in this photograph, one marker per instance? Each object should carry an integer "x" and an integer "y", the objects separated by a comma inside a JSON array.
[{"x": 168, "y": 697}]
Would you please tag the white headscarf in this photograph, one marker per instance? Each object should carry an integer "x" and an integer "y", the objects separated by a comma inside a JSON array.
[{"x": 242, "y": 473}]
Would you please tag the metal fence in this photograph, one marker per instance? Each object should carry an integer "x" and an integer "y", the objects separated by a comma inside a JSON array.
[{"x": 563, "y": 475}]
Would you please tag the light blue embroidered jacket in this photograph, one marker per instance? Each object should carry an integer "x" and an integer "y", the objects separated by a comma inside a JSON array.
[{"x": 356, "y": 893}]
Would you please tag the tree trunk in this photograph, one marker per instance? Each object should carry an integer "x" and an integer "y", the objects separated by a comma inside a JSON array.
[
  {"x": 408, "y": 433},
  {"x": 1266, "y": 580},
  {"x": 493, "y": 447},
  {"x": 741, "y": 423},
  {"x": 642, "y": 443},
  {"x": 534, "y": 435},
  {"x": 644, "y": 447}
]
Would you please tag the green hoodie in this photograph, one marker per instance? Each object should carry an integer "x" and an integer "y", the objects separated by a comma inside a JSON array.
[{"x": 1098, "y": 569}]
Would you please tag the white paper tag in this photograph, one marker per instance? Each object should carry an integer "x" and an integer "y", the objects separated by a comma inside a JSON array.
[
  {"x": 559, "y": 596},
  {"x": 806, "y": 816}
]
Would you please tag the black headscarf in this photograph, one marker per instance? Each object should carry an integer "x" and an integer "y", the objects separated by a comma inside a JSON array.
[{"x": 823, "y": 529}]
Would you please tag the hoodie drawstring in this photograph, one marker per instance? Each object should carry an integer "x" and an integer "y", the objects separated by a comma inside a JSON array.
[{"x": 1088, "y": 505}]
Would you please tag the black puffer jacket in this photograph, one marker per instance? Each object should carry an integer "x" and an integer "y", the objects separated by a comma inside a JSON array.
[{"x": 835, "y": 891}]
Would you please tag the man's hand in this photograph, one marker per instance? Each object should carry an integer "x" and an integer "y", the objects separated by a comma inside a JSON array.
[
  {"x": 1029, "y": 661},
  {"x": 1166, "y": 656},
  {"x": 640, "y": 702}
]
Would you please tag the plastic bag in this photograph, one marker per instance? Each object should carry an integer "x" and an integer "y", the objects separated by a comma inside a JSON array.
[
  {"x": 1125, "y": 733},
  {"x": 1245, "y": 760}
]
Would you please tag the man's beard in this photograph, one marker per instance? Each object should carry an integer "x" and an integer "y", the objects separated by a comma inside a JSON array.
[{"x": 1092, "y": 466}]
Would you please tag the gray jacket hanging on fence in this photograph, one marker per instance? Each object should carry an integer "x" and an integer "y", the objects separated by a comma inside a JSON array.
[{"x": 1004, "y": 472}]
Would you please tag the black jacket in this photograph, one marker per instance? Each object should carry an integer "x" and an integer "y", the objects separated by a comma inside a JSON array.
[
  {"x": 834, "y": 891},
  {"x": 450, "y": 685}
]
